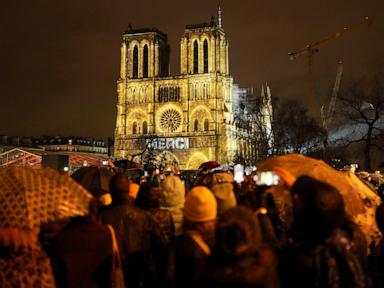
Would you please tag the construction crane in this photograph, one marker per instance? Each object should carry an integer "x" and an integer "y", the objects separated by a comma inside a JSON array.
[
  {"x": 327, "y": 114},
  {"x": 311, "y": 49}
]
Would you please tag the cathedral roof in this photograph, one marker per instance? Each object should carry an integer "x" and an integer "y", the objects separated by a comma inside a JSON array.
[
  {"x": 200, "y": 26},
  {"x": 130, "y": 30},
  {"x": 211, "y": 24}
]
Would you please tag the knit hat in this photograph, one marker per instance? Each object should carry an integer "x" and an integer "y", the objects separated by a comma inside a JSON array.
[
  {"x": 133, "y": 190},
  {"x": 174, "y": 192},
  {"x": 200, "y": 205}
]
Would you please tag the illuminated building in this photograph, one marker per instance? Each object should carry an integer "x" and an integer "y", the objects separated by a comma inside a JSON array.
[{"x": 187, "y": 118}]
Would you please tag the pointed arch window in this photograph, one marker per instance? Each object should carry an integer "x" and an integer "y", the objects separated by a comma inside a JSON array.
[
  {"x": 145, "y": 127},
  {"x": 145, "y": 95},
  {"x": 205, "y": 48},
  {"x": 134, "y": 128},
  {"x": 178, "y": 93},
  {"x": 145, "y": 61},
  {"x": 206, "y": 125},
  {"x": 160, "y": 96},
  {"x": 134, "y": 95},
  {"x": 205, "y": 91},
  {"x": 196, "y": 125},
  {"x": 195, "y": 57},
  {"x": 135, "y": 62},
  {"x": 171, "y": 94},
  {"x": 140, "y": 95},
  {"x": 195, "y": 88}
]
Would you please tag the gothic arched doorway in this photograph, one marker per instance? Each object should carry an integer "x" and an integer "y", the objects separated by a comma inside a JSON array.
[{"x": 196, "y": 160}]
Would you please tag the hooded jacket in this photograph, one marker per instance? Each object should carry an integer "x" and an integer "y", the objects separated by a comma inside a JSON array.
[
  {"x": 221, "y": 185},
  {"x": 173, "y": 200}
]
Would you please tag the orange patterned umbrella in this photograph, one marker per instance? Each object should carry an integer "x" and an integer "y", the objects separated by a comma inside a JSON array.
[{"x": 30, "y": 197}]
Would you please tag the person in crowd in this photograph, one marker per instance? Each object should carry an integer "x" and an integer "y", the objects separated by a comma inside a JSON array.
[
  {"x": 173, "y": 200},
  {"x": 192, "y": 248},
  {"x": 249, "y": 195},
  {"x": 148, "y": 199},
  {"x": 323, "y": 255},
  {"x": 221, "y": 184},
  {"x": 134, "y": 230},
  {"x": 238, "y": 257},
  {"x": 82, "y": 253},
  {"x": 245, "y": 193}
]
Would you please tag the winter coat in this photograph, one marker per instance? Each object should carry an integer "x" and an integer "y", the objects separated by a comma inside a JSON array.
[
  {"x": 81, "y": 254},
  {"x": 330, "y": 263},
  {"x": 244, "y": 272},
  {"x": 134, "y": 229},
  {"x": 177, "y": 217},
  {"x": 187, "y": 260},
  {"x": 165, "y": 227},
  {"x": 161, "y": 241},
  {"x": 173, "y": 200}
]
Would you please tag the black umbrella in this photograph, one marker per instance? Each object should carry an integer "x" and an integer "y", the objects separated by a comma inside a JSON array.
[{"x": 96, "y": 180}]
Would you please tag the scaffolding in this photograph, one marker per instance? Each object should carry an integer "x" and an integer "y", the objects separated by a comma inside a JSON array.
[
  {"x": 20, "y": 157},
  {"x": 33, "y": 158}
]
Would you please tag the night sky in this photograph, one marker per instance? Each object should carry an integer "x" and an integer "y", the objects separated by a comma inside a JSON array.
[{"x": 59, "y": 59}]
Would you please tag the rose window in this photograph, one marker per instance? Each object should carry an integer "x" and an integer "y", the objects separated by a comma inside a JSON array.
[{"x": 170, "y": 120}]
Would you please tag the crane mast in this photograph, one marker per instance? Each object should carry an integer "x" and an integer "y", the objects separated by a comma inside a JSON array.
[
  {"x": 312, "y": 49},
  {"x": 336, "y": 88},
  {"x": 329, "y": 113}
]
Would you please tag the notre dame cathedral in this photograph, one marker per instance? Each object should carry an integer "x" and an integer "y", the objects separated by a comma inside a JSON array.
[{"x": 188, "y": 118}]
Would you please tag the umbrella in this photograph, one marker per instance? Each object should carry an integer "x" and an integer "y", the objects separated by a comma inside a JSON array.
[
  {"x": 299, "y": 165},
  {"x": 30, "y": 197},
  {"x": 208, "y": 165},
  {"x": 359, "y": 199},
  {"x": 94, "y": 179}
]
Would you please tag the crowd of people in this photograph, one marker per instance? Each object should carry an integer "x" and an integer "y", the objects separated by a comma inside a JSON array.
[{"x": 160, "y": 231}]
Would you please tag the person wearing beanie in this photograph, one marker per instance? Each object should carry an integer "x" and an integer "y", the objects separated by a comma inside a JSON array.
[
  {"x": 173, "y": 200},
  {"x": 192, "y": 248},
  {"x": 200, "y": 205}
]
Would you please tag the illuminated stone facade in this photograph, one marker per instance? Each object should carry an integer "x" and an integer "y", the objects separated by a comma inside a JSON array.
[{"x": 188, "y": 116}]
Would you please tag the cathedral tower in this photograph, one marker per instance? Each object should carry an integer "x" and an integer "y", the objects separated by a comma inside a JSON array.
[
  {"x": 144, "y": 54},
  {"x": 204, "y": 49}
]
